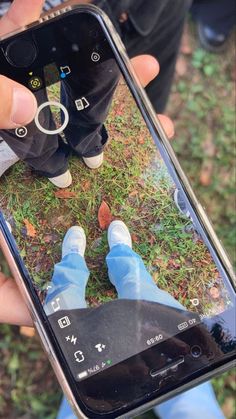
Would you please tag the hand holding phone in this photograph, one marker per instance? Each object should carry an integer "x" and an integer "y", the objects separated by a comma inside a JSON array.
[
  {"x": 152, "y": 202},
  {"x": 17, "y": 104}
]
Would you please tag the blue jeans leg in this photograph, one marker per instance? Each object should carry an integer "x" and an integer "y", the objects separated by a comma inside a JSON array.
[
  {"x": 131, "y": 279},
  {"x": 200, "y": 402},
  {"x": 128, "y": 274},
  {"x": 68, "y": 283}
]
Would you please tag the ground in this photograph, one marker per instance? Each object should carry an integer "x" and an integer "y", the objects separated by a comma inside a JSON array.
[{"x": 202, "y": 106}]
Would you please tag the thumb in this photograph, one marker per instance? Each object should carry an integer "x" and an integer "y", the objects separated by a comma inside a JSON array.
[{"x": 18, "y": 105}]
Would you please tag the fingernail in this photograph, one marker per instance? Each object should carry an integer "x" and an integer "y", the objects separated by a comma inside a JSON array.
[{"x": 23, "y": 107}]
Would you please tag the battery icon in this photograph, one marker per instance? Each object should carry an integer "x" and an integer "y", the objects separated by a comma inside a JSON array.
[{"x": 82, "y": 375}]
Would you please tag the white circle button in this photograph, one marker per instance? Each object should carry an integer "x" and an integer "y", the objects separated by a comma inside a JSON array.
[
  {"x": 95, "y": 57},
  {"x": 21, "y": 132},
  {"x": 55, "y": 131}
]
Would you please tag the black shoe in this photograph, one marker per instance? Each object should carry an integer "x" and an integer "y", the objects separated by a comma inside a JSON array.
[{"x": 210, "y": 39}]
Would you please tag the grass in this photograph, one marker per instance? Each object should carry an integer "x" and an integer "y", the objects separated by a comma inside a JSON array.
[
  {"x": 134, "y": 182},
  {"x": 202, "y": 108}
]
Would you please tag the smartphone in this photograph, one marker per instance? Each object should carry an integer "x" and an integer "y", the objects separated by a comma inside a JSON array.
[{"x": 116, "y": 353}]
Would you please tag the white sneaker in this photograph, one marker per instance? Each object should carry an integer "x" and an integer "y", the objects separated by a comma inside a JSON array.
[
  {"x": 7, "y": 157},
  {"x": 74, "y": 241},
  {"x": 62, "y": 181},
  {"x": 118, "y": 233},
  {"x": 94, "y": 162}
]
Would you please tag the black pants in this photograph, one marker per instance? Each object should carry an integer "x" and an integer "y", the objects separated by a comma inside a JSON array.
[
  {"x": 163, "y": 42},
  {"x": 217, "y": 14},
  {"x": 87, "y": 137},
  {"x": 85, "y": 134}
]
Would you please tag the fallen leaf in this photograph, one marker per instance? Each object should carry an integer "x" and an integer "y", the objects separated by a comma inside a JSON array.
[
  {"x": 135, "y": 238},
  {"x": 229, "y": 406},
  {"x": 141, "y": 140},
  {"x": 181, "y": 66},
  {"x": 206, "y": 173},
  {"x": 30, "y": 229},
  {"x": 133, "y": 193},
  {"x": 51, "y": 237},
  {"x": 173, "y": 264},
  {"x": 186, "y": 47},
  {"x": 93, "y": 301},
  {"x": 104, "y": 216},
  {"x": 141, "y": 183},
  {"x": 127, "y": 154},
  {"x": 27, "y": 331},
  {"x": 64, "y": 194},
  {"x": 208, "y": 145},
  {"x": 86, "y": 185},
  {"x": 152, "y": 240}
]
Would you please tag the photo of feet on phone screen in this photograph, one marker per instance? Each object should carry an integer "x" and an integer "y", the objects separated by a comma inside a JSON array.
[{"x": 96, "y": 214}]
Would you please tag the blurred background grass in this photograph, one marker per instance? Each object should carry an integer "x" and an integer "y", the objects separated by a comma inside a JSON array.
[{"x": 202, "y": 106}]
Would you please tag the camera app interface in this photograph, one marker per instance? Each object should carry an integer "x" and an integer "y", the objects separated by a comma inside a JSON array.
[{"x": 109, "y": 239}]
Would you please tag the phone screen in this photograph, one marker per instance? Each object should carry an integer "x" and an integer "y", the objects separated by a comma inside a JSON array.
[{"x": 135, "y": 287}]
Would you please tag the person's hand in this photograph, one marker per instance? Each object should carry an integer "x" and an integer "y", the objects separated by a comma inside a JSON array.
[{"x": 18, "y": 107}]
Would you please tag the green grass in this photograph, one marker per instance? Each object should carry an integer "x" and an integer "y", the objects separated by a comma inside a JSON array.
[
  {"x": 203, "y": 110},
  {"x": 134, "y": 182}
]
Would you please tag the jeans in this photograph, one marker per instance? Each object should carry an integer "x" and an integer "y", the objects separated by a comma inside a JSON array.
[{"x": 128, "y": 274}]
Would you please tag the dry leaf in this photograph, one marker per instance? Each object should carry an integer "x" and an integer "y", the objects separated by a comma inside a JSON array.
[
  {"x": 27, "y": 331},
  {"x": 186, "y": 47},
  {"x": 127, "y": 153},
  {"x": 30, "y": 229},
  {"x": 208, "y": 145},
  {"x": 181, "y": 66},
  {"x": 64, "y": 194},
  {"x": 206, "y": 173},
  {"x": 133, "y": 193},
  {"x": 152, "y": 240},
  {"x": 173, "y": 264},
  {"x": 104, "y": 216},
  {"x": 86, "y": 185},
  {"x": 141, "y": 140},
  {"x": 135, "y": 238}
]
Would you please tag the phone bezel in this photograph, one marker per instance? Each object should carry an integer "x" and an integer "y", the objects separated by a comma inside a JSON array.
[{"x": 164, "y": 146}]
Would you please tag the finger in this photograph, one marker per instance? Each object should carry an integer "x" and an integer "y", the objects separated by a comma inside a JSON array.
[
  {"x": 12, "y": 307},
  {"x": 146, "y": 68},
  {"x": 167, "y": 125},
  {"x": 18, "y": 105},
  {"x": 21, "y": 13}
]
